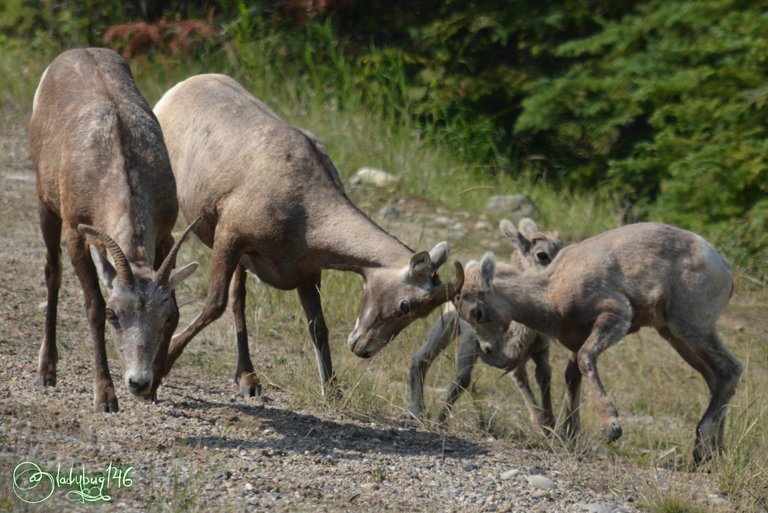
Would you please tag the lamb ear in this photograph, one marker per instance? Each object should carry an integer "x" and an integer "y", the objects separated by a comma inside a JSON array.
[
  {"x": 439, "y": 254},
  {"x": 104, "y": 269},
  {"x": 516, "y": 237},
  {"x": 527, "y": 226},
  {"x": 420, "y": 266},
  {"x": 488, "y": 270}
]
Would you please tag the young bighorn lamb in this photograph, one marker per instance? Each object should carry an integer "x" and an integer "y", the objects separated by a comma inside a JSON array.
[
  {"x": 272, "y": 202},
  {"x": 595, "y": 292},
  {"x": 103, "y": 171},
  {"x": 534, "y": 248}
]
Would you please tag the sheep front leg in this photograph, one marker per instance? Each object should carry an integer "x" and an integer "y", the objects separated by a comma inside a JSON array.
[
  {"x": 544, "y": 380},
  {"x": 441, "y": 334},
  {"x": 226, "y": 254},
  {"x": 608, "y": 329},
  {"x": 50, "y": 225},
  {"x": 104, "y": 398},
  {"x": 245, "y": 376},
  {"x": 540, "y": 418},
  {"x": 468, "y": 351},
  {"x": 159, "y": 365},
  {"x": 309, "y": 294}
]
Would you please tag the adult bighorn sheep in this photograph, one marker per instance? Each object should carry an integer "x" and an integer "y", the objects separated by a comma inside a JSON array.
[
  {"x": 597, "y": 291},
  {"x": 520, "y": 344},
  {"x": 103, "y": 171},
  {"x": 272, "y": 202}
]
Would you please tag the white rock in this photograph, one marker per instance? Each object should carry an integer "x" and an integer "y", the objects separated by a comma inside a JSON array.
[
  {"x": 374, "y": 176},
  {"x": 596, "y": 508},
  {"x": 514, "y": 206},
  {"x": 717, "y": 499},
  {"x": 541, "y": 482},
  {"x": 509, "y": 474}
]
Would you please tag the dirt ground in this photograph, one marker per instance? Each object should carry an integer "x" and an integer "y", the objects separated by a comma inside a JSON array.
[{"x": 202, "y": 448}]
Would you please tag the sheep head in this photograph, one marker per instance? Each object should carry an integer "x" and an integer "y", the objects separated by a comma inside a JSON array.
[
  {"x": 394, "y": 298},
  {"x": 534, "y": 247},
  {"x": 476, "y": 304},
  {"x": 141, "y": 308}
]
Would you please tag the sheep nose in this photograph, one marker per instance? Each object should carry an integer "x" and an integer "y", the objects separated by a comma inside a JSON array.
[{"x": 138, "y": 386}]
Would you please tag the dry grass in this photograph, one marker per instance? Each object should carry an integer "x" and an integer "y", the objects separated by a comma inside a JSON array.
[{"x": 660, "y": 397}]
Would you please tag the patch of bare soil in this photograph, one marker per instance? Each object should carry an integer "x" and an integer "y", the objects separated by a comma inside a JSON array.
[{"x": 202, "y": 448}]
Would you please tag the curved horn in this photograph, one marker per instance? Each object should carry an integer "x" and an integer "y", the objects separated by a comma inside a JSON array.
[
  {"x": 123, "y": 270},
  {"x": 457, "y": 282},
  {"x": 163, "y": 273}
]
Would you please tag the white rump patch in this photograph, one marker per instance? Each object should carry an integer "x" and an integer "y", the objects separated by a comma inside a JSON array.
[{"x": 37, "y": 91}]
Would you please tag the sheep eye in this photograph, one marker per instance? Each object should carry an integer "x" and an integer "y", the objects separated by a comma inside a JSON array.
[
  {"x": 543, "y": 257},
  {"x": 405, "y": 306},
  {"x": 111, "y": 316}
]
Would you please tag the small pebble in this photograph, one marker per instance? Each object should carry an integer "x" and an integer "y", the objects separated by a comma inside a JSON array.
[
  {"x": 596, "y": 508},
  {"x": 509, "y": 474},
  {"x": 541, "y": 482}
]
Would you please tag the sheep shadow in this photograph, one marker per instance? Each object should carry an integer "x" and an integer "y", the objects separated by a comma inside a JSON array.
[{"x": 303, "y": 433}]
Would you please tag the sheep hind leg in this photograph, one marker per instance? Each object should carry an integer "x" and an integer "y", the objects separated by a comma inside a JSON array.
[
  {"x": 721, "y": 370},
  {"x": 245, "y": 376},
  {"x": 50, "y": 225}
]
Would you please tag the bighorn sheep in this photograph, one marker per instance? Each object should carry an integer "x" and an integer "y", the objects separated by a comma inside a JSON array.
[
  {"x": 534, "y": 249},
  {"x": 597, "y": 291},
  {"x": 272, "y": 202},
  {"x": 103, "y": 171}
]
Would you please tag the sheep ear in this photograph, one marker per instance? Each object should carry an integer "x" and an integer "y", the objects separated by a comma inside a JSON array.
[
  {"x": 104, "y": 269},
  {"x": 420, "y": 266},
  {"x": 488, "y": 270},
  {"x": 439, "y": 254},
  {"x": 516, "y": 237},
  {"x": 181, "y": 274},
  {"x": 527, "y": 226}
]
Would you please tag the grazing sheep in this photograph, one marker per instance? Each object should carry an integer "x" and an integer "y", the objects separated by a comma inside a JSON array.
[
  {"x": 103, "y": 171},
  {"x": 272, "y": 202},
  {"x": 534, "y": 248},
  {"x": 599, "y": 290}
]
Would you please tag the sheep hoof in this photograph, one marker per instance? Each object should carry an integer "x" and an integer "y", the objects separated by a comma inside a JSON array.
[
  {"x": 249, "y": 384},
  {"x": 46, "y": 381}
]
